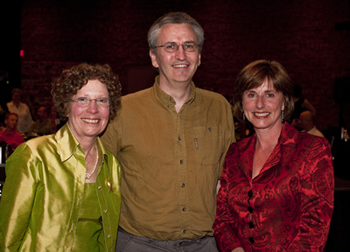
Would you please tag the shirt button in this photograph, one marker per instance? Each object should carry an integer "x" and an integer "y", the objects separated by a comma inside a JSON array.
[
  {"x": 250, "y": 193},
  {"x": 251, "y": 224},
  {"x": 105, "y": 211},
  {"x": 184, "y": 209},
  {"x": 251, "y": 239},
  {"x": 109, "y": 236},
  {"x": 250, "y": 209},
  {"x": 183, "y": 185},
  {"x": 184, "y": 231},
  {"x": 99, "y": 187},
  {"x": 181, "y": 162},
  {"x": 179, "y": 138}
]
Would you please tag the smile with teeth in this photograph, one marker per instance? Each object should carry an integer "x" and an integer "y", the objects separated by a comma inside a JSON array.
[
  {"x": 90, "y": 120},
  {"x": 180, "y": 65},
  {"x": 261, "y": 114}
]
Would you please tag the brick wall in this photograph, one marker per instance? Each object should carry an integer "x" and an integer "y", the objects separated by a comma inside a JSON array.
[{"x": 299, "y": 34}]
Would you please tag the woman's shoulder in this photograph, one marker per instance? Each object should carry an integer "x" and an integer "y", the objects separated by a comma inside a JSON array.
[
  {"x": 241, "y": 145},
  {"x": 306, "y": 146},
  {"x": 40, "y": 144}
]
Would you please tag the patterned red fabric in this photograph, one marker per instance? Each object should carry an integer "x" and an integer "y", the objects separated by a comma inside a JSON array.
[{"x": 287, "y": 207}]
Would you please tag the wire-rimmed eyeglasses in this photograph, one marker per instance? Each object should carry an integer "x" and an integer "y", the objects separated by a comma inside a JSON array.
[
  {"x": 173, "y": 47},
  {"x": 84, "y": 101}
]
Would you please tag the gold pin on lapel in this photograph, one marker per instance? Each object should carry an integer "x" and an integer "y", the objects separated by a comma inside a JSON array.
[{"x": 109, "y": 184}]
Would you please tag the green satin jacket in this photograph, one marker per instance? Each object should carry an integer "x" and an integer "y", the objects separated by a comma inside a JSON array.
[{"x": 43, "y": 192}]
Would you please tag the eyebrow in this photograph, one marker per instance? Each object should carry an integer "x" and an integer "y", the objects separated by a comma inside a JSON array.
[{"x": 173, "y": 42}]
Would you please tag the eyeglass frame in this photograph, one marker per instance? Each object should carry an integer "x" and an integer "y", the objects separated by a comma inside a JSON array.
[
  {"x": 195, "y": 46},
  {"x": 90, "y": 100}
]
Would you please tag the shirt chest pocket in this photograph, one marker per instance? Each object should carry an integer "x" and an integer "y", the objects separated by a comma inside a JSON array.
[{"x": 208, "y": 144}]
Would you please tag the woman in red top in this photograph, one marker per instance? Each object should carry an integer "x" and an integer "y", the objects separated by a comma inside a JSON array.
[{"x": 277, "y": 186}]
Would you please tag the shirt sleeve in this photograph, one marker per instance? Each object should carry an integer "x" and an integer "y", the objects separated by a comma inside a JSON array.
[
  {"x": 224, "y": 228},
  {"x": 17, "y": 198},
  {"x": 317, "y": 199},
  {"x": 230, "y": 133}
]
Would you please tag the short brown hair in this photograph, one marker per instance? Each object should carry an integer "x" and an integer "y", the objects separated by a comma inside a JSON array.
[
  {"x": 254, "y": 74},
  {"x": 10, "y": 114},
  {"x": 72, "y": 80}
]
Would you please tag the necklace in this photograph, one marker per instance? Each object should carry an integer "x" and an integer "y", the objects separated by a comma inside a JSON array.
[{"x": 88, "y": 175}]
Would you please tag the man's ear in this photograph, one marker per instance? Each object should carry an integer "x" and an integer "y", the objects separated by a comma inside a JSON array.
[{"x": 153, "y": 57}]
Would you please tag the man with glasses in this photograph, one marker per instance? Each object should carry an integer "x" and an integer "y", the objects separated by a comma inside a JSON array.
[{"x": 171, "y": 140}]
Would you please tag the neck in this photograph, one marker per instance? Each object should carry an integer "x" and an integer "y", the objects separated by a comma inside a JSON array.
[
  {"x": 86, "y": 142},
  {"x": 180, "y": 92},
  {"x": 307, "y": 128},
  {"x": 8, "y": 130},
  {"x": 267, "y": 138},
  {"x": 88, "y": 147}
]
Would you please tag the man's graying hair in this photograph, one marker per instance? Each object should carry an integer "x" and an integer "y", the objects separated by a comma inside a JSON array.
[{"x": 174, "y": 18}]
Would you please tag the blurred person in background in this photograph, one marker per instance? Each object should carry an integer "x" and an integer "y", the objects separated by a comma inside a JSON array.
[
  {"x": 307, "y": 122},
  {"x": 10, "y": 135},
  {"x": 43, "y": 125},
  {"x": 21, "y": 109},
  {"x": 301, "y": 104}
]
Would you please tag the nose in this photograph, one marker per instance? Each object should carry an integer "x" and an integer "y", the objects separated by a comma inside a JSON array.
[
  {"x": 93, "y": 107},
  {"x": 260, "y": 102},
  {"x": 180, "y": 53}
]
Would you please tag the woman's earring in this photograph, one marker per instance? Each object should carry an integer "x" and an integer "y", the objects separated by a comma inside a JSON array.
[
  {"x": 243, "y": 117},
  {"x": 282, "y": 116}
]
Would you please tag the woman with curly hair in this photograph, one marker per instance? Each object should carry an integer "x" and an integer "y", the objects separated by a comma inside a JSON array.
[{"x": 62, "y": 191}]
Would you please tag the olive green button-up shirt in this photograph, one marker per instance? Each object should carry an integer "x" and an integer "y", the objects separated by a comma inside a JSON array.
[
  {"x": 43, "y": 195},
  {"x": 171, "y": 162}
]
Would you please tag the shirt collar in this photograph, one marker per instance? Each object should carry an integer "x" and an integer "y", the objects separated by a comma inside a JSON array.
[
  {"x": 11, "y": 133},
  {"x": 166, "y": 99},
  {"x": 68, "y": 144}
]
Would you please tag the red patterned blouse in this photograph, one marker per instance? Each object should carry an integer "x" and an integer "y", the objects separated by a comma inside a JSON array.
[{"x": 287, "y": 207}]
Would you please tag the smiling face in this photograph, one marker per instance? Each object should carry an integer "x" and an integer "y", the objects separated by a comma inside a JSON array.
[
  {"x": 88, "y": 122},
  {"x": 180, "y": 66},
  {"x": 262, "y": 106}
]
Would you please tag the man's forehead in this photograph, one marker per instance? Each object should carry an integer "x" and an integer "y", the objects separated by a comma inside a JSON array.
[
  {"x": 12, "y": 117},
  {"x": 173, "y": 32}
]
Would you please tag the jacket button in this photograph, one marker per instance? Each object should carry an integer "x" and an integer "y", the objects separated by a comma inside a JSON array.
[
  {"x": 251, "y": 239},
  {"x": 250, "y": 193},
  {"x": 250, "y": 209},
  {"x": 251, "y": 224}
]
